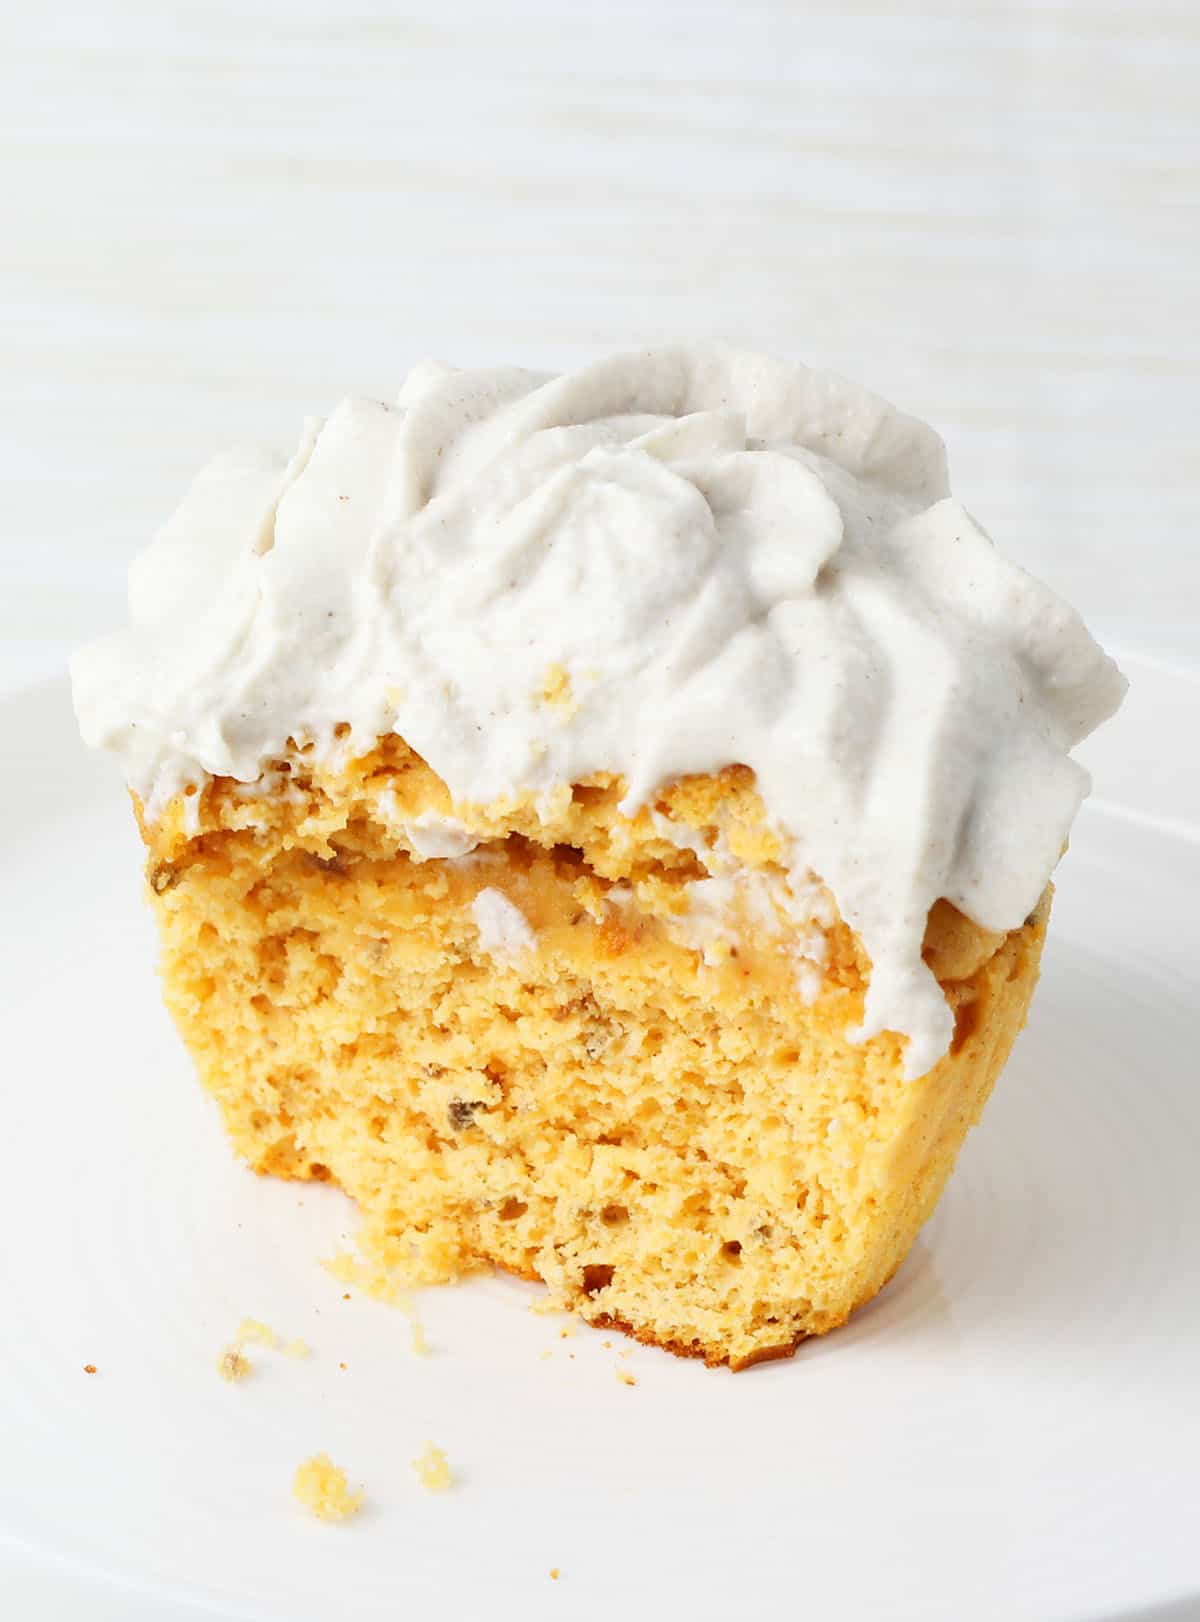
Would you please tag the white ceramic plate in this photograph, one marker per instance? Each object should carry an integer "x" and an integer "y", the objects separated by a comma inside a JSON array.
[{"x": 1012, "y": 1429}]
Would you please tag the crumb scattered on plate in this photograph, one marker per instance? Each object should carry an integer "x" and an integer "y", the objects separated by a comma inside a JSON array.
[
  {"x": 554, "y": 1572},
  {"x": 382, "y": 1283},
  {"x": 433, "y": 1472},
  {"x": 253, "y": 1332},
  {"x": 545, "y": 1306},
  {"x": 89, "y": 1368},
  {"x": 322, "y": 1488},
  {"x": 232, "y": 1365},
  {"x": 625, "y": 1377}
]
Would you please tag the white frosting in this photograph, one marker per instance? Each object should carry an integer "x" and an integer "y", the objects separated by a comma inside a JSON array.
[
  {"x": 738, "y": 906},
  {"x": 731, "y": 559},
  {"x": 503, "y": 929},
  {"x": 428, "y": 835},
  {"x": 726, "y": 913}
]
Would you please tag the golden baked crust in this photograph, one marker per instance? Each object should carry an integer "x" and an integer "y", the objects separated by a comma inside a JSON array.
[{"x": 681, "y": 1149}]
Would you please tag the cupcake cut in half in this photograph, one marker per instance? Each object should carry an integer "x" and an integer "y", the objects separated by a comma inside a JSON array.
[{"x": 605, "y": 824}]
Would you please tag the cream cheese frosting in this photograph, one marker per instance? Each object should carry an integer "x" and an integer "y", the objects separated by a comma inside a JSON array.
[{"x": 722, "y": 559}]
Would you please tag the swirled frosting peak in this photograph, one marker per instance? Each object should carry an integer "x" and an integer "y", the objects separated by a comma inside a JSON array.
[{"x": 727, "y": 559}]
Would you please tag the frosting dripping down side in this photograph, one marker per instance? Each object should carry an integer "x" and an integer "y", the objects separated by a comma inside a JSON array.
[{"x": 666, "y": 563}]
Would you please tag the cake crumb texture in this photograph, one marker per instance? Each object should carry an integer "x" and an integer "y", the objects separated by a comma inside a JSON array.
[
  {"x": 690, "y": 1151},
  {"x": 253, "y": 1332},
  {"x": 432, "y": 1469},
  {"x": 323, "y": 1490},
  {"x": 233, "y": 1365}
]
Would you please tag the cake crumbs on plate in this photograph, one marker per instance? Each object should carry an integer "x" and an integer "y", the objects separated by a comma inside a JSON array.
[
  {"x": 625, "y": 1377},
  {"x": 407, "y": 1306},
  {"x": 432, "y": 1469},
  {"x": 382, "y": 1283},
  {"x": 546, "y": 1306},
  {"x": 253, "y": 1332},
  {"x": 233, "y": 1365},
  {"x": 554, "y": 1573},
  {"x": 321, "y": 1486},
  {"x": 89, "y": 1368},
  {"x": 374, "y": 1278}
]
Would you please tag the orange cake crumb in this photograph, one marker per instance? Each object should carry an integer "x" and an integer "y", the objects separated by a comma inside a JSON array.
[
  {"x": 232, "y": 1365},
  {"x": 253, "y": 1332},
  {"x": 555, "y": 692},
  {"x": 322, "y": 1488},
  {"x": 433, "y": 1471}
]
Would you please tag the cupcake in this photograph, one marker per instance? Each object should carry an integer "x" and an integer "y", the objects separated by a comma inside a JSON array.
[{"x": 604, "y": 823}]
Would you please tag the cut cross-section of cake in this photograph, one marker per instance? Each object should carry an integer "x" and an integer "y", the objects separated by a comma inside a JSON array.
[{"x": 604, "y": 824}]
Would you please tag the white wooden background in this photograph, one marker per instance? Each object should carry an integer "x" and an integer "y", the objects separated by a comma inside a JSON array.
[{"x": 219, "y": 215}]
